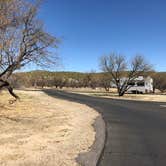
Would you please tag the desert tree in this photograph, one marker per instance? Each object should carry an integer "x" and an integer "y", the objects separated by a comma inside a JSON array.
[
  {"x": 86, "y": 80},
  {"x": 105, "y": 81},
  {"x": 118, "y": 67},
  {"x": 22, "y": 39}
]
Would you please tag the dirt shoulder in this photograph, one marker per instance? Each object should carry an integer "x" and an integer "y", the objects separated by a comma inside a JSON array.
[
  {"x": 44, "y": 131},
  {"x": 141, "y": 97},
  {"x": 114, "y": 95}
]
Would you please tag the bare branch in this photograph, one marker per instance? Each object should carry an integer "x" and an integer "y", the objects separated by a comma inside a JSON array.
[
  {"x": 22, "y": 38},
  {"x": 118, "y": 68}
]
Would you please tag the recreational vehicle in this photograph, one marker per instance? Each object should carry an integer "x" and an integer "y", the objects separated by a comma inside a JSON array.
[{"x": 138, "y": 85}]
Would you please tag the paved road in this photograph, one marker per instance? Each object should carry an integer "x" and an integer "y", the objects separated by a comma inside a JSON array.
[{"x": 136, "y": 131}]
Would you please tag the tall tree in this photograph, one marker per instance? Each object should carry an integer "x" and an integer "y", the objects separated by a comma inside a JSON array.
[
  {"x": 22, "y": 39},
  {"x": 118, "y": 67}
]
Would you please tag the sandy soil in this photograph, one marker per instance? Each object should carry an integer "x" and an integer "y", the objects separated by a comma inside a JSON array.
[{"x": 41, "y": 130}]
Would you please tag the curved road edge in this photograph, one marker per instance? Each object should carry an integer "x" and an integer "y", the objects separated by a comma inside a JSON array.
[{"x": 92, "y": 157}]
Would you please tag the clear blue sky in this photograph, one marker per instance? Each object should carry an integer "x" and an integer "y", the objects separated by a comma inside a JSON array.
[{"x": 91, "y": 28}]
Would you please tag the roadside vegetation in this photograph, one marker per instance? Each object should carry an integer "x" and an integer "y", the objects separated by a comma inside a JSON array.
[
  {"x": 22, "y": 40},
  {"x": 43, "y": 131},
  {"x": 76, "y": 80},
  {"x": 118, "y": 67},
  {"x": 37, "y": 129},
  {"x": 156, "y": 97}
]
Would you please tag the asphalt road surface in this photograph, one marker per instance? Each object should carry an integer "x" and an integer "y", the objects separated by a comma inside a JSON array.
[{"x": 136, "y": 131}]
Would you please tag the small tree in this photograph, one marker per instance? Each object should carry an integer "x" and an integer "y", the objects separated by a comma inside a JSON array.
[
  {"x": 22, "y": 39},
  {"x": 118, "y": 67},
  {"x": 105, "y": 81}
]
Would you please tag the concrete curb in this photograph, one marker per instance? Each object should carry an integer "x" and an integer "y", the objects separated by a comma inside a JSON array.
[{"x": 92, "y": 157}]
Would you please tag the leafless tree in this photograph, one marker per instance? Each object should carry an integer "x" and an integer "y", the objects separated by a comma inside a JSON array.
[
  {"x": 22, "y": 39},
  {"x": 117, "y": 66},
  {"x": 105, "y": 81}
]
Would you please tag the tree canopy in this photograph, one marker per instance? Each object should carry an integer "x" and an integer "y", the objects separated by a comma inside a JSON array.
[
  {"x": 117, "y": 66},
  {"x": 22, "y": 39}
]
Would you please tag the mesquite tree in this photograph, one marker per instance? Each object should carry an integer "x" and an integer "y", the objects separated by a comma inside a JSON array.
[
  {"x": 22, "y": 39},
  {"x": 118, "y": 67}
]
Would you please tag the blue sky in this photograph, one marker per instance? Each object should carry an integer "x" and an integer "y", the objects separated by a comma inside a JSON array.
[{"x": 91, "y": 28}]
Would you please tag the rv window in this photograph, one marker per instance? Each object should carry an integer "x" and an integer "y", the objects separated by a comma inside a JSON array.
[
  {"x": 131, "y": 83},
  {"x": 140, "y": 83}
]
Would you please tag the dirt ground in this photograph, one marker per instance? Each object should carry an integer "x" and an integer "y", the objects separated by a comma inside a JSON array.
[
  {"x": 100, "y": 92},
  {"x": 142, "y": 97},
  {"x": 41, "y": 130}
]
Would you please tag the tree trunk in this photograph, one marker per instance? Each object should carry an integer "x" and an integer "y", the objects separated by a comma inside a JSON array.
[
  {"x": 106, "y": 89},
  {"x": 121, "y": 93},
  {"x": 10, "y": 89},
  {"x": 7, "y": 85}
]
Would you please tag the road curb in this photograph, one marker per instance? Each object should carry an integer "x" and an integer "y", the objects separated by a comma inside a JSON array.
[{"x": 92, "y": 157}]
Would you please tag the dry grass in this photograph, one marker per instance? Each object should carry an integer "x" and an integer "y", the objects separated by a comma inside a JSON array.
[
  {"x": 113, "y": 94},
  {"x": 143, "y": 97},
  {"x": 41, "y": 130},
  {"x": 89, "y": 90}
]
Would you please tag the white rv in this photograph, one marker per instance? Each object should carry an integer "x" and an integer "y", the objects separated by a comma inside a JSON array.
[{"x": 139, "y": 85}]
